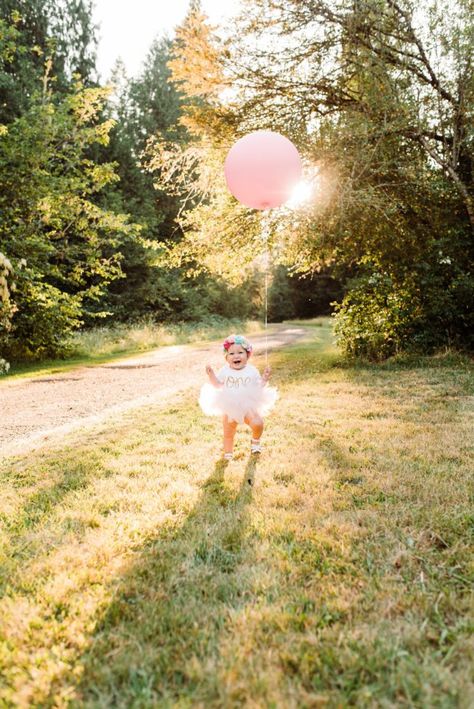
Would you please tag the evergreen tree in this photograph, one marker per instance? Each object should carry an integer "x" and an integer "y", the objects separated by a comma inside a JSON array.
[
  {"x": 56, "y": 31},
  {"x": 147, "y": 105},
  {"x": 218, "y": 234},
  {"x": 153, "y": 111},
  {"x": 142, "y": 108}
]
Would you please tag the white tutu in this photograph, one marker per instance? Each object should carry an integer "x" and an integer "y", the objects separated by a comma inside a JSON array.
[{"x": 242, "y": 392}]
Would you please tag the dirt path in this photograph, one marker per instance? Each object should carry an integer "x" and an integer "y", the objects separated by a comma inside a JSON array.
[{"x": 34, "y": 410}]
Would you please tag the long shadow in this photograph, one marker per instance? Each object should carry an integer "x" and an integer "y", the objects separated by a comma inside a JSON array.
[
  {"x": 170, "y": 609},
  {"x": 163, "y": 639},
  {"x": 76, "y": 467},
  {"x": 36, "y": 510}
]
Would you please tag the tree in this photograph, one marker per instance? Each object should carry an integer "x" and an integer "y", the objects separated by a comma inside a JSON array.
[
  {"x": 143, "y": 107},
  {"x": 215, "y": 229},
  {"x": 423, "y": 61},
  {"x": 382, "y": 112},
  {"x": 61, "y": 246},
  {"x": 61, "y": 31},
  {"x": 186, "y": 165}
]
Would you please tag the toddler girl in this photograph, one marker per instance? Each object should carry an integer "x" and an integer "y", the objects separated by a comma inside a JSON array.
[{"x": 238, "y": 393}]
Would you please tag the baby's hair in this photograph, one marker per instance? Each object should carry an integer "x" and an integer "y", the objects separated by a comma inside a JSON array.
[{"x": 237, "y": 340}]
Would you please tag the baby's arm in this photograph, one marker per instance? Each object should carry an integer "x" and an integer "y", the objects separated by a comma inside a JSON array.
[{"x": 212, "y": 377}]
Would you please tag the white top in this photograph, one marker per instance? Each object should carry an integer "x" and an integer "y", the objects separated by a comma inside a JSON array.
[{"x": 248, "y": 376}]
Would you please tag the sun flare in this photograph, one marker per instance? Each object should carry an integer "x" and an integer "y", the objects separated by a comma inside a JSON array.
[{"x": 302, "y": 192}]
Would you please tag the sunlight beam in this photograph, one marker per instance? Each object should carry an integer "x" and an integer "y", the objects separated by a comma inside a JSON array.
[{"x": 302, "y": 193}]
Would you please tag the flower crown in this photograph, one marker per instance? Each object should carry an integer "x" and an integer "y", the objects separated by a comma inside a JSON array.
[{"x": 237, "y": 340}]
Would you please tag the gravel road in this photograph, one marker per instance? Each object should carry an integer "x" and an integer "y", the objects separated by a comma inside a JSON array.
[{"x": 36, "y": 409}]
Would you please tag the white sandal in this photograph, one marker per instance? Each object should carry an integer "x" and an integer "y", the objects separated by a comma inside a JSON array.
[
  {"x": 255, "y": 446},
  {"x": 228, "y": 456}
]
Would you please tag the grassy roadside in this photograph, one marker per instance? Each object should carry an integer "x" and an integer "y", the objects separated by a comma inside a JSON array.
[
  {"x": 138, "y": 570},
  {"x": 106, "y": 344}
]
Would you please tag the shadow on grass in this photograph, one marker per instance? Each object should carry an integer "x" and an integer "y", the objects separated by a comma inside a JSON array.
[
  {"x": 160, "y": 636},
  {"x": 163, "y": 639},
  {"x": 433, "y": 387},
  {"x": 38, "y": 508}
]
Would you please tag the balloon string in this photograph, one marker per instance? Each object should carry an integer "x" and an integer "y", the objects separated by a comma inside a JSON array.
[
  {"x": 265, "y": 234},
  {"x": 266, "y": 309}
]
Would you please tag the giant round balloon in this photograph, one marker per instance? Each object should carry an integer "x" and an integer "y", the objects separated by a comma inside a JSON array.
[{"x": 262, "y": 169}]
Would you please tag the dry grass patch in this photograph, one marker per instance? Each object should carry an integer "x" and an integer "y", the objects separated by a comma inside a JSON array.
[
  {"x": 139, "y": 570},
  {"x": 103, "y": 344}
]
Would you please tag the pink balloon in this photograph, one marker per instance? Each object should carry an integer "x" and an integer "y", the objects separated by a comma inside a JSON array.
[{"x": 262, "y": 168}]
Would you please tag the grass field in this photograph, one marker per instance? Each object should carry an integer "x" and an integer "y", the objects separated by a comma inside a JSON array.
[{"x": 139, "y": 571}]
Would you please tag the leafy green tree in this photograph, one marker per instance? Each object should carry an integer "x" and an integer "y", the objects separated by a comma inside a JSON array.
[
  {"x": 157, "y": 113},
  {"x": 379, "y": 103},
  {"x": 385, "y": 60},
  {"x": 6, "y": 306},
  {"x": 280, "y": 297},
  {"x": 143, "y": 107},
  {"x": 293, "y": 295},
  {"x": 61, "y": 245},
  {"x": 152, "y": 284}
]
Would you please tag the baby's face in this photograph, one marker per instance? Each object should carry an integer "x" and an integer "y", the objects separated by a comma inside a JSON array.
[{"x": 236, "y": 357}]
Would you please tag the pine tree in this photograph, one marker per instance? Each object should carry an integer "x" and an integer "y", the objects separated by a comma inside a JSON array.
[
  {"x": 59, "y": 32},
  {"x": 216, "y": 229},
  {"x": 144, "y": 107}
]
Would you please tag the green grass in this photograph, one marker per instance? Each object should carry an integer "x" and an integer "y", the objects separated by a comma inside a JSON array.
[
  {"x": 138, "y": 570},
  {"x": 105, "y": 344}
]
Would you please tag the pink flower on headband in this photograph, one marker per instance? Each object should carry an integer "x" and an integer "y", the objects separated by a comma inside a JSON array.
[{"x": 237, "y": 340}]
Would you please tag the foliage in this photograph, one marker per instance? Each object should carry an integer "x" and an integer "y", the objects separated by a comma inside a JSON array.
[
  {"x": 71, "y": 173},
  {"x": 378, "y": 97},
  {"x": 381, "y": 110},
  {"x": 57, "y": 31},
  {"x": 153, "y": 285},
  {"x": 407, "y": 74},
  {"x": 138, "y": 571},
  {"x": 379, "y": 317},
  {"x": 292, "y": 295},
  {"x": 61, "y": 244},
  {"x": 142, "y": 106},
  {"x": 6, "y": 306},
  {"x": 280, "y": 301},
  {"x": 218, "y": 235}
]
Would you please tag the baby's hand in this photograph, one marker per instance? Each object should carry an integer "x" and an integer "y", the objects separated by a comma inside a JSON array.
[
  {"x": 266, "y": 373},
  {"x": 212, "y": 377}
]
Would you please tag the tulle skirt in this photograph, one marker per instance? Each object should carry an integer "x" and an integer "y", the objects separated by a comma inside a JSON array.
[{"x": 237, "y": 403}]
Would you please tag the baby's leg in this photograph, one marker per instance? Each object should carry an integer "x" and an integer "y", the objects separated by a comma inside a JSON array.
[
  {"x": 230, "y": 428},
  {"x": 255, "y": 422}
]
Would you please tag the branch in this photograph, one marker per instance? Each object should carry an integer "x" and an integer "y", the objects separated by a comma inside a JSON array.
[
  {"x": 444, "y": 164},
  {"x": 433, "y": 80}
]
